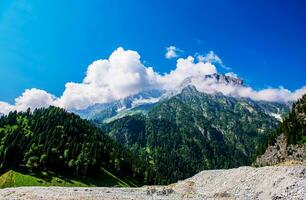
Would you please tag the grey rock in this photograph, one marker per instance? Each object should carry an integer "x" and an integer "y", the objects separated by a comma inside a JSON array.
[{"x": 280, "y": 152}]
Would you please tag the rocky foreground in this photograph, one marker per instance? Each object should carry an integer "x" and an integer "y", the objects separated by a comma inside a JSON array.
[{"x": 281, "y": 182}]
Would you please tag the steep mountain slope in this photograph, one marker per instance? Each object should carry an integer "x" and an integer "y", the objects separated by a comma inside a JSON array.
[
  {"x": 137, "y": 103},
  {"x": 192, "y": 131},
  {"x": 54, "y": 140}
]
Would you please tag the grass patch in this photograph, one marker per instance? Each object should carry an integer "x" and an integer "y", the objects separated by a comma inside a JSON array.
[{"x": 18, "y": 178}]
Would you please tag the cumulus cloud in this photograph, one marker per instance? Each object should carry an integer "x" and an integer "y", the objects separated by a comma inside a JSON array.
[
  {"x": 211, "y": 57},
  {"x": 30, "y": 98},
  {"x": 123, "y": 74},
  {"x": 172, "y": 52},
  {"x": 33, "y": 98},
  {"x": 271, "y": 94},
  {"x": 186, "y": 68},
  {"x": 5, "y": 108}
]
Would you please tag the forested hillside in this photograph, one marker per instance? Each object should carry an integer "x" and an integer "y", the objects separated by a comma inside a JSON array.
[
  {"x": 55, "y": 140},
  {"x": 177, "y": 138},
  {"x": 294, "y": 126},
  {"x": 193, "y": 131}
]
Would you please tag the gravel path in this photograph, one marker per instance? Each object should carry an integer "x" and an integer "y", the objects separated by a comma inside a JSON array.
[{"x": 282, "y": 182}]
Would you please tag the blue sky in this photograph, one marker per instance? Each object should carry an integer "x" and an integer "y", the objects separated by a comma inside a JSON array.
[{"x": 45, "y": 44}]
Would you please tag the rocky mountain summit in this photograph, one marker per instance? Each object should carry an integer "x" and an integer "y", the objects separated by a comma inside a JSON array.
[
  {"x": 225, "y": 79},
  {"x": 208, "y": 79},
  {"x": 218, "y": 78},
  {"x": 282, "y": 182}
]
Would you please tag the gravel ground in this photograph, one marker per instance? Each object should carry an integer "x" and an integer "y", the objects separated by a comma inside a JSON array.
[{"x": 281, "y": 182}]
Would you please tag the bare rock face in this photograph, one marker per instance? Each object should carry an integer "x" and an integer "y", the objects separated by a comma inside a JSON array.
[
  {"x": 224, "y": 79},
  {"x": 280, "y": 153},
  {"x": 281, "y": 182}
]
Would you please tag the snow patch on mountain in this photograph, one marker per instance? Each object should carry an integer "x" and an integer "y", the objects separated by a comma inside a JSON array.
[
  {"x": 142, "y": 101},
  {"x": 276, "y": 116}
]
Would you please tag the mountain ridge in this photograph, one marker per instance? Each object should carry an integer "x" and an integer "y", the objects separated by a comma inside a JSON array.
[
  {"x": 144, "y": 100},
  {"x": 193, "y": 131}
]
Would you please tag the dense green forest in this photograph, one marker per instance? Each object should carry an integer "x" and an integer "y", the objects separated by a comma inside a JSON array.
[
  {"x": 193, "y": 131},
  {"x": 55, "y": 140},
  {"x": 294, "y": 125}
]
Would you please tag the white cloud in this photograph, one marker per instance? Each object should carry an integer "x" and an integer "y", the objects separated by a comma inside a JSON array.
[
  {"x": 5, "y": 108},
  {"x": 142, "y": 101},
  {"x": 33, "y": 98},
  {"x": 213, "y": 58},
  {"x": 186, "y": 68},
  {"x": 271, "y": 94},
  {"x": 172, "y": 52},
  {"x": 231, "y": 74},
  {"x": 123, "y": 74},
  {"x": 30, "y": 98}
]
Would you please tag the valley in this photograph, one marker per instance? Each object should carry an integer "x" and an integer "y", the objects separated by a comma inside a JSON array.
[
  {"x": 152, "y": 100},
  {"x": 152, "y": 148}
]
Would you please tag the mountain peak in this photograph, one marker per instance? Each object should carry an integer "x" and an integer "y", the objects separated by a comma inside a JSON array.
[
  {"x": 189, "y": 89},
  {"x": 225, "y": 79},
  {"x": 218, "y": 78}
]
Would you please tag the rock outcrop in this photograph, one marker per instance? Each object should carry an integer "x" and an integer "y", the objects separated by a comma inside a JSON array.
[{"x": 280, "y": 152}]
